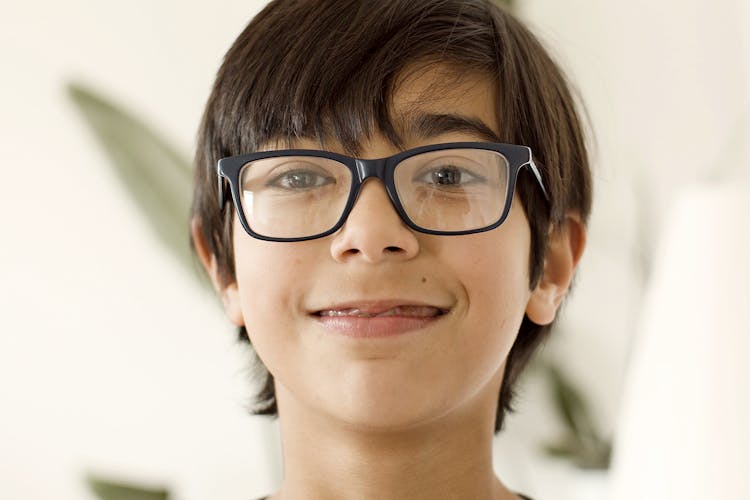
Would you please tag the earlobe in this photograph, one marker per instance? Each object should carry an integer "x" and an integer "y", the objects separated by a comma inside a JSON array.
[
  {"x": 230, "y": 297},
  {"x": 229, "y": 293},
  {"x": 564, "y": 250}
]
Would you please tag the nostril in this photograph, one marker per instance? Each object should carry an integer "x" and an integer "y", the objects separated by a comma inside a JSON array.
[{"x": 393, "y": 249}]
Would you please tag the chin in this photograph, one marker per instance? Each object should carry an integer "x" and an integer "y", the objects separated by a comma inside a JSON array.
[
  {"x": 388, "y": 414},
  {"x": 386, "y": 422}
]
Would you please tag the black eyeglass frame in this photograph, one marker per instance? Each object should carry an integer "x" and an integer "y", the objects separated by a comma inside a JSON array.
[{"x": 518, "y": 157}]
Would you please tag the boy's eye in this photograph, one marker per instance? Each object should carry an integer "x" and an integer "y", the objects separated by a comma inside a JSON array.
[
  {"x": 300, "y": 179},
  {"x": 448, "y": 176}
]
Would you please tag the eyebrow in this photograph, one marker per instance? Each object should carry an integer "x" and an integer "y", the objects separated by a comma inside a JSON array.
[{"x": 430, "y": 125}]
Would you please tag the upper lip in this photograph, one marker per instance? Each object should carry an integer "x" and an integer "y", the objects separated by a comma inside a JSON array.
[{"x": 377, "y": 306}]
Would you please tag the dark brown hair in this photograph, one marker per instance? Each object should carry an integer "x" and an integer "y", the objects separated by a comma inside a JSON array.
[{"x": 327, "y": 69}]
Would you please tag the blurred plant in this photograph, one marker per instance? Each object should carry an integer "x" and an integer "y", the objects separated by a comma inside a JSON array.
[
  {"x": 582, "y": 443},
  {"x": 112, "y": 490},
  {"x": 157, "y": 177}
]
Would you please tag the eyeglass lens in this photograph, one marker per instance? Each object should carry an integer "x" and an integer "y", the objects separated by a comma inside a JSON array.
[{"x": 446, "y": 190}]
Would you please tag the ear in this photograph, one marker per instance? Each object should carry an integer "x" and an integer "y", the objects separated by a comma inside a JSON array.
[
  {"x": 229, "y": 293},
  {"x": 565, "y": 247}
]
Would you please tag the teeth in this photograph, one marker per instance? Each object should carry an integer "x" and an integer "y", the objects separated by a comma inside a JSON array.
[
  {"x": 345, "y": 312},
  {"x": 410, "y": 311}
]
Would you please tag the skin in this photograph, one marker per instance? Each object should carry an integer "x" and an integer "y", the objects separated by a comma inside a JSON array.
[{"x": 411, "y": 416}]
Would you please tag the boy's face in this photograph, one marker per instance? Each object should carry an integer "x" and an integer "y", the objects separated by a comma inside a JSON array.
[{"x": 441, "y": 368}]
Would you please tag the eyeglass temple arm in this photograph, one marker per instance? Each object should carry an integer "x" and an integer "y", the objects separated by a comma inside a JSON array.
[
  {"x": 535, "y": 170},
  {"x": 223, "y": 193}
]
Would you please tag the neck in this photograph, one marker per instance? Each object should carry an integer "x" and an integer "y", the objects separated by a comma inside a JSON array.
[{"x": 450, "y": 457}]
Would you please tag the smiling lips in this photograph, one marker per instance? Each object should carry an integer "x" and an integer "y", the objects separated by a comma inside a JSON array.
[
  {"x": 406, "y": 311},
  {"x": 378, "y": 319}
]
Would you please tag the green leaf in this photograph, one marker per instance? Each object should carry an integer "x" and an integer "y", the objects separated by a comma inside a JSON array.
[
  {"x": 505, "y": 3},
  {"x": 107, "y": 490},
  {"x": 155, "y": 174},
  {"x": 569, "y": 402},
  {"x": 582, "y": 442}
]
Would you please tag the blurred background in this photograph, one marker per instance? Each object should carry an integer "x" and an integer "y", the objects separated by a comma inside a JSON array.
[{"x": 116, "y": 361}]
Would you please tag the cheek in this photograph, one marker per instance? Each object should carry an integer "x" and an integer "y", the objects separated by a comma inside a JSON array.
[
  {"x": 495, "y": 283},
  {"x": 262, "y": 277},
  {"x": 498, "y": 280},
  {"x": 493, "y": 267},
  {"x": 269, "y": 279}
]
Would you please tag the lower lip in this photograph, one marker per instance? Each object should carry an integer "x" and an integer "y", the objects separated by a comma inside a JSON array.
[{"x": 384, "y": 326}]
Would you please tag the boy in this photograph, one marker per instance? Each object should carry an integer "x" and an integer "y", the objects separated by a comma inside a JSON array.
[{"x": 400, "y": 208}]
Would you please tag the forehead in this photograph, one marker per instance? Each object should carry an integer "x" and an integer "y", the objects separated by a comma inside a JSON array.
[
  {"x": 432, "y": 101},
  {"x": 427, "y": 103},
  {"x": 439, "y": 89}
]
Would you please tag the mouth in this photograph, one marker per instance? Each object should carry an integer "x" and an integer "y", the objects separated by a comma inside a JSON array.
[
  {"x": 378, "y": 319},
  {"x": 365, "y": 311}
]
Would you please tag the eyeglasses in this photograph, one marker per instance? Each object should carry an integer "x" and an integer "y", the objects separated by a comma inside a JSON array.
[{"x": 444, "y": 189}]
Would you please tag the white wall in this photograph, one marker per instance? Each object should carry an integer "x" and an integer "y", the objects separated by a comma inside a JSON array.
[{"x": 113, "y": 360}]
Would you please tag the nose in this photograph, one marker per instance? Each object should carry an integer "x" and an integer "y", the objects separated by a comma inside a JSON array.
[{"x": 374, "y": 232}]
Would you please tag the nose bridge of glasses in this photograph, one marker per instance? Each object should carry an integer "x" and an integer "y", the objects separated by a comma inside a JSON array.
[
  {"x": 375, "y": 169},
  {"x": 371, "y": 168}
]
